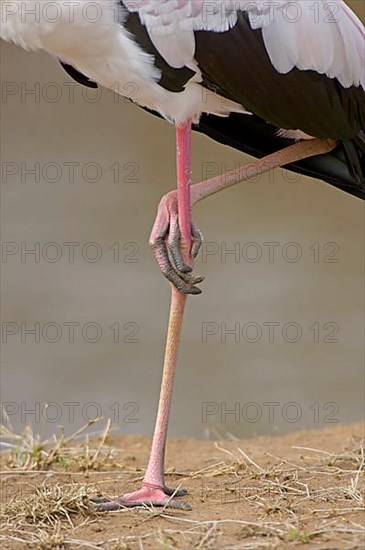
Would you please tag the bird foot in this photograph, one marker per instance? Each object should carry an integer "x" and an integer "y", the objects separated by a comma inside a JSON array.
[
  {"x": 148, "y": 495},
  {"x": 165, "y": 240}
]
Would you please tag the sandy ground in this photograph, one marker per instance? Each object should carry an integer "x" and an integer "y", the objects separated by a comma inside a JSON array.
[{"x": 304, "y": 490}]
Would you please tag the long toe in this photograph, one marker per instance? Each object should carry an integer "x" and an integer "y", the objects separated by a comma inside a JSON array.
[
  {"x": 114, "y": 504},
  {"x": 148, "y": 495},
  {"x": 99, "y": 500},
  {"x": 175, "y": 492}
]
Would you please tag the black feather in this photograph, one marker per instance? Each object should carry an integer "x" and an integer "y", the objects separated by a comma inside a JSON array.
[
  {"x": 236, "y": 65},
  {"x": 172, "y": 79},
  {"x": 78, "y": 77}
]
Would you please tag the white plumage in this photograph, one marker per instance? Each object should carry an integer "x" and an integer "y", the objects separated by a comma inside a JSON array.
[{"x": 323, "y": 36}]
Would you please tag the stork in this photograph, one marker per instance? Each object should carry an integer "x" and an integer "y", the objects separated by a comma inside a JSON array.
[{"x": 281, "y": 80}]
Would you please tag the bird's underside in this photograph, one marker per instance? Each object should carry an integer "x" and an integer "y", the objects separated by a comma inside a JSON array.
[
  {"x": 343, "y": 168},
  {"x": 235, "y": 67}
]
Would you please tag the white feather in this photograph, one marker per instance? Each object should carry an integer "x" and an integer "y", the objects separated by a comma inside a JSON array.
[
  {"x": 330, "y": 43},
  {"x": 106, "y": 53},
  {"x": 177, "y": 52}
]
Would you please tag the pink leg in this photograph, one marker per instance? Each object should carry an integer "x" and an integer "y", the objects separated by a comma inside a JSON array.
[{"x": 153, "y": 490}]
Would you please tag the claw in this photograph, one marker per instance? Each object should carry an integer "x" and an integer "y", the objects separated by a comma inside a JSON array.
[
  {"x": 179, "y": 282},
  {"x": 175, "y": 492},
  {"x": 165, "y": 241},
  {"x": 197, "y": 241}
]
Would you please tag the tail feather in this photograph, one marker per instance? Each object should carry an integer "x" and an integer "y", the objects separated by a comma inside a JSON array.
[{"x": 355, "y": 157}]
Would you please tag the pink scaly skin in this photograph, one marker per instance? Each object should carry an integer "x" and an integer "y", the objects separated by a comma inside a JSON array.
[
  {"x": 175, "y": 241},
  {"x": 154, "y": 491}
]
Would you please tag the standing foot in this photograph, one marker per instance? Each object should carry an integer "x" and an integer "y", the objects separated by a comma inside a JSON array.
[{"x": 148, "y": 495}]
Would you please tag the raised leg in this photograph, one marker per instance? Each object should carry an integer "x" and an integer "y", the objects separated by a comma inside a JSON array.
[{"x": 165, "y": 237}]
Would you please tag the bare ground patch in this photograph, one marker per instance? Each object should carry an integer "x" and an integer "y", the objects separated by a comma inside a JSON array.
[{"x": 304, "y": 490}]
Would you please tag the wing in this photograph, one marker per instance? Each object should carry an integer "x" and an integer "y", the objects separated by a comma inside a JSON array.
[
  {"x": 272, "y": 56},
  {"x": 322, "y": 36}
]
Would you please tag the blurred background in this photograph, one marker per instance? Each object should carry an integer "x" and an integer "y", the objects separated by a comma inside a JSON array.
[{"x": 274, "y": 344}]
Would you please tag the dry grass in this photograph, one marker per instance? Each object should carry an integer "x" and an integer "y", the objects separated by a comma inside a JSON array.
[
  {"x": 312, "y": 498},
  {"x": 29, "y": 453}
]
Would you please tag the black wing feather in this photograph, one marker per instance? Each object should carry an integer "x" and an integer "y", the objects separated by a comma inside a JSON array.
[{"x": 236, "y": 65}]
